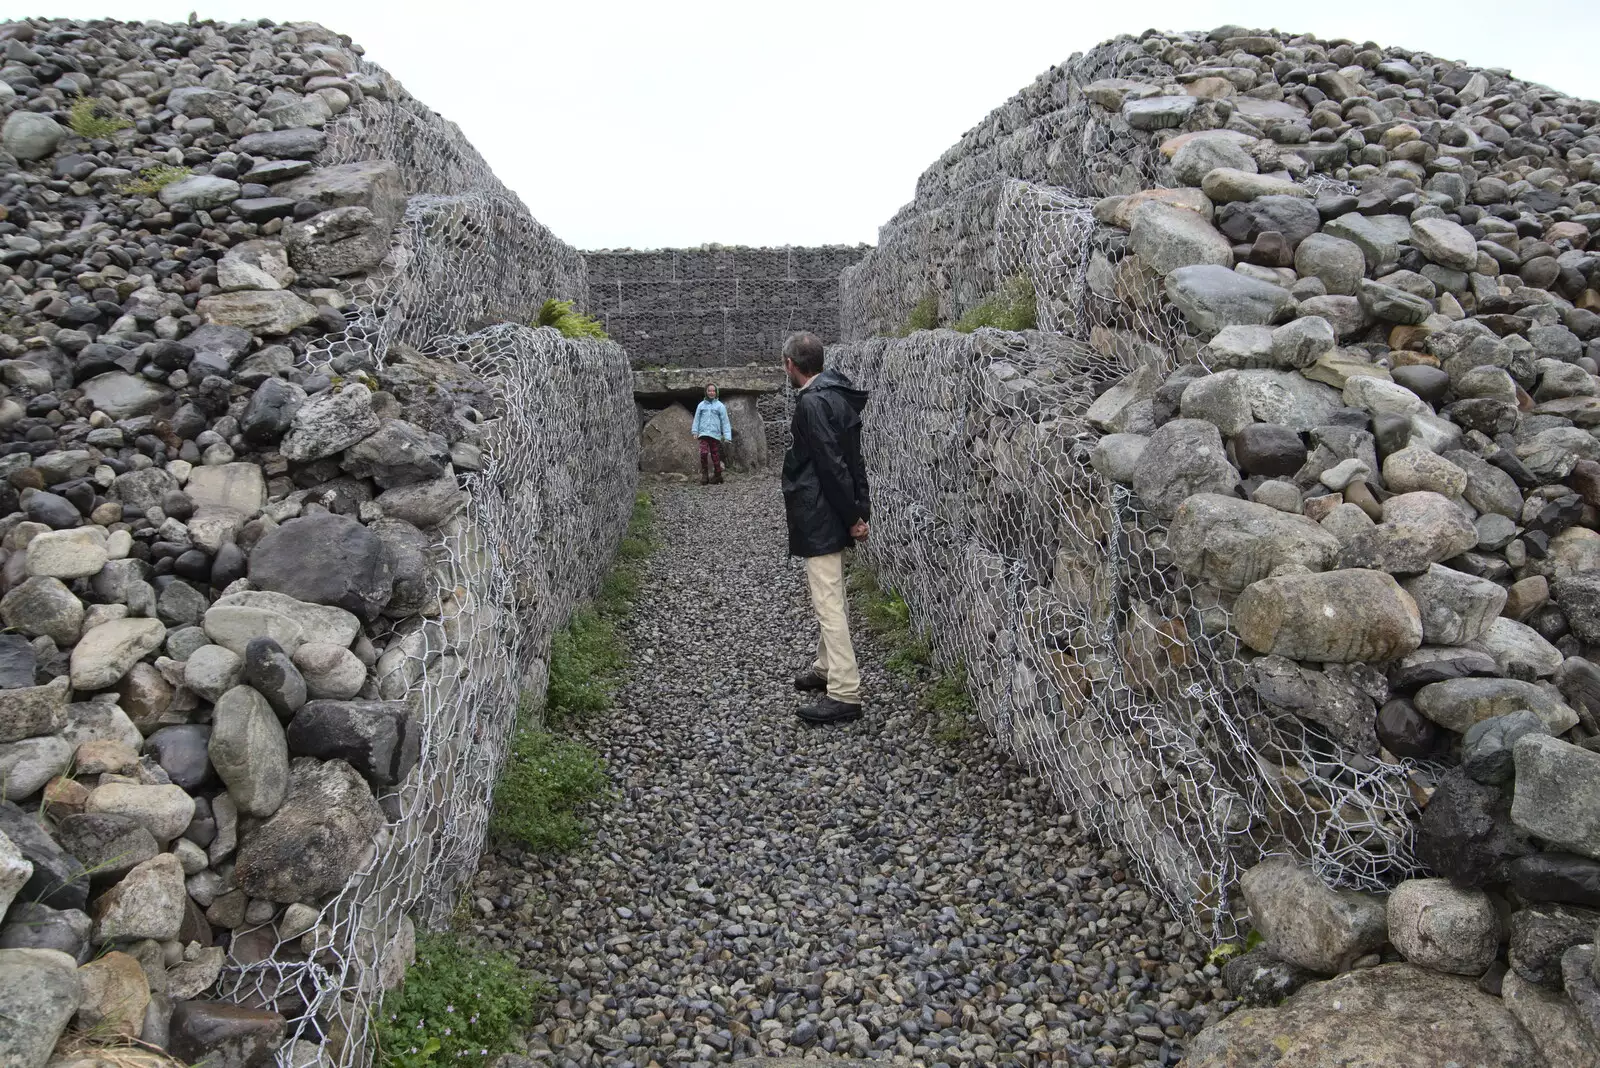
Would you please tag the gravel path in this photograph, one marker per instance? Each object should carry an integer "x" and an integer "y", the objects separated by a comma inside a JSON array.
[{"x": 764, "y": 889}]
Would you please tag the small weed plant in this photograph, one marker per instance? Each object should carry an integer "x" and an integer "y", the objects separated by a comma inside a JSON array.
[
  {"x": 546, "y": 782},
  {"x": 950, "y": 704},
  {"x": 586, "y": 664},
  {"x": 459, "y": 1005},
  {"x": 153, "y": 180},
  {"x": 944, "y": 695},
  {"x": 1013, "y": 307},
  {"x": 587, "y": 657},
  {"x": 924, "y": 315},
  {"x": 94, "y": 118},
  {"x": 561, "y": 315},
  {"x": 1223, "y": 952}
]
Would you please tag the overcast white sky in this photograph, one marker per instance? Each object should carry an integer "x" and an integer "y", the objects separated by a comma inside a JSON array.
[{"x": 659, "y": 124}]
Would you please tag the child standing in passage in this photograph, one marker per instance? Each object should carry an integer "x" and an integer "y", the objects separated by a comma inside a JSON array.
[{"x": 711, "y": 426}]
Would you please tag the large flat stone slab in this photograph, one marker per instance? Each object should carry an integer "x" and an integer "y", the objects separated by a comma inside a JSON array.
[{"x": 689, "y": 383}]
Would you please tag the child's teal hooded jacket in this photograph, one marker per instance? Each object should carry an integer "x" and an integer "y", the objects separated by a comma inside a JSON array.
[{"x": 711, "y": 421}]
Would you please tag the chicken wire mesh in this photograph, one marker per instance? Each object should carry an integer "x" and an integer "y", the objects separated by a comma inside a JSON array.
[
  {"x": 545, "y": 514},
  {"x": 1087, "y": 651},
  {"x": 704, "y": 307}
]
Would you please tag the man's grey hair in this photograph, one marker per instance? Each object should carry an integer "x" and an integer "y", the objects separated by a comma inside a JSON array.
[{"x": 805, "y": 351}]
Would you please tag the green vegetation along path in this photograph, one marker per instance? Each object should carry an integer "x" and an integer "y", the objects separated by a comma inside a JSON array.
[{"x": 895, "y": 889}]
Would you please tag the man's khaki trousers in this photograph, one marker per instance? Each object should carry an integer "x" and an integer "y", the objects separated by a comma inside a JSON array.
[{"x": 836, "y": 656}]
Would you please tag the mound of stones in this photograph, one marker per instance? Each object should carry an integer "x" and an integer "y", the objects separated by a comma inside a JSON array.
[
  {"x": 1376, "y": 450},
  {"x": 215, "y": 550}
]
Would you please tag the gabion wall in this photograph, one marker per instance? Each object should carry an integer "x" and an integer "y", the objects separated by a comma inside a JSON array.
[
  {"x": 716, "y": 307},
  {"x": 1090, "y": 654},
  {"x": 1087, "y": 651},
  {"x": 545, "y": 516}
]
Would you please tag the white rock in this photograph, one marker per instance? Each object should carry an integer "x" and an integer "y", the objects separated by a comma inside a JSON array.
[
  {"x": 1438, "y": 926},
  {"x": 330, "y": 671},
  {"x": 26, "y": 765},
  {"x": 107, "y": 652},
  {"x": 233, "y": 625},
  {"x": 15, "y": 871},
  {"x": 68, "y": 554},
  {"x": 212, "y": 670},
  {"x": 318, "y": 622}
]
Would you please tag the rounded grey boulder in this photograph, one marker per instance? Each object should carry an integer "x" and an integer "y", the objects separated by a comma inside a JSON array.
[{"x": 28, "y": 135}]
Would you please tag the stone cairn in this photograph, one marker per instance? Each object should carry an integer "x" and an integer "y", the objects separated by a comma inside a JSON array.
[
  {"x": 1278, "y": 551},
  {"x": 287, "y": 527}
]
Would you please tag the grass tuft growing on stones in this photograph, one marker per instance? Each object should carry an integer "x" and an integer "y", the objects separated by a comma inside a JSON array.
[
  {"x": 153, "y": 180},
  {"x": 1012, "y": 307},
  {"x": 571, "y": 323},
  {"x": 909, "y": 656},
  {"x": 924, "y": 316},
  {"x": 93, "y": 117},
  {"x": 460, "y": 1004}
]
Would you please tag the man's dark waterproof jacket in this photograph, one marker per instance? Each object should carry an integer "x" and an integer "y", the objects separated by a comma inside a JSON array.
[{"x": 824, "y": 480}]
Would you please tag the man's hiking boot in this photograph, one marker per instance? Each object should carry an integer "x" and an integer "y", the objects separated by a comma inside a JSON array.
[
  {"x": 827, "y": 710},
  {"x": 811, "y": 681}
]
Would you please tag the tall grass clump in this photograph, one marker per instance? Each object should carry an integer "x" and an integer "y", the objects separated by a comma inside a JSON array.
[
  {"x": 1012, "y": 307},
  {"x": 571, "y": 323}
]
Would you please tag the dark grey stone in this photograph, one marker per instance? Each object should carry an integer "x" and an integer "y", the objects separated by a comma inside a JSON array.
[
  {"x": 1541, "y": 933},
  {"x": 53, "y": 510},
  {"x": 1268, "y": 450},
  {"x": 181, "y": 750},
  {"x": 1293, "y": 217},
  {"x": 398, "y": 453},
  {"x": 220, "y": 1033},
  {"x": 1258, "y": 979},
  {"x": 216, "y": 349},
  {"x": 325, "y": 559},
  {"x": 311, "y": 845},
  {"x": 416, "y": 588},
  {"x": 1486, "y": 748},
  {"x": 18, "y": 662},
  {"x": 271, "y": 411},
  {"x": 1466, "y": 833},
  {"x": 1331, "y": 702},
  {"x": 272, "y": 673},
  {"x": 30, "y": 925},
  {"x": 1405, "y": 732},
  {"x": 108, "y": 845},
  {"x": 1429, "y": 383},
  {"x": 58, "y": 879},
  {"x": 300, "y": 143},
  {"x": 374, "y": 737}
]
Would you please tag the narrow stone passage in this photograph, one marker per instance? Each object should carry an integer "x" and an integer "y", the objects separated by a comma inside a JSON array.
[{"x": 763, "y": 889}]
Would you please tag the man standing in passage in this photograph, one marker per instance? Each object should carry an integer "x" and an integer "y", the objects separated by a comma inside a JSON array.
[
  {"x": 712, "y": 427},
  {"x": 826, "y": 503}
]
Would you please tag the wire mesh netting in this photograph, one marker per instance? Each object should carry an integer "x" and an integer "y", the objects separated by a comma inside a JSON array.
[
  {"x": 705, "y": 307},
  {"x": 546, "y": 511},
  {"x": 1088, "y": 650}
]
